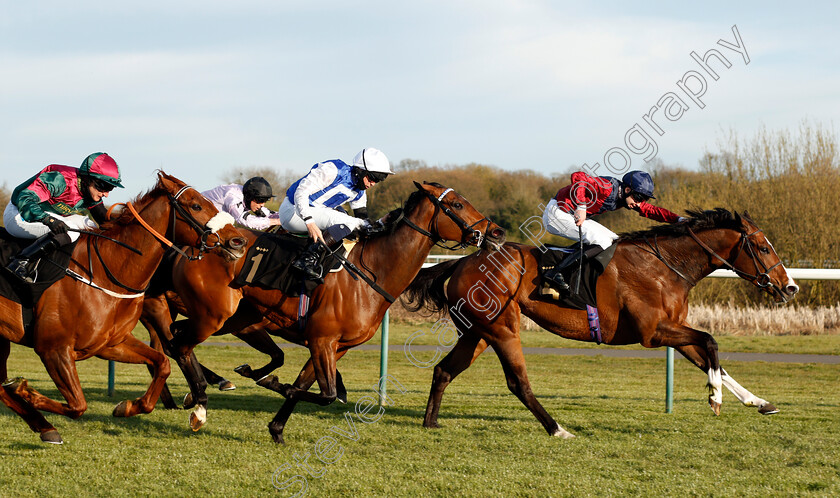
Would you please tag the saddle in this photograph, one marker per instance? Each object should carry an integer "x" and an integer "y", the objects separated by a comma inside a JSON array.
[
  {"x": 592, "y": 269},
  {"x": 267, "y": 263},
  {"x": 47, "y": 271}
]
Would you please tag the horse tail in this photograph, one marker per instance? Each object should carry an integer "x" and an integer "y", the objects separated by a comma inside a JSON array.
[{"x": 427, "y": 289}]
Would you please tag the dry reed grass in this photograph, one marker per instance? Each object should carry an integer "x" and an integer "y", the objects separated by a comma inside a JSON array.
[{"x": 722, "y": 319}]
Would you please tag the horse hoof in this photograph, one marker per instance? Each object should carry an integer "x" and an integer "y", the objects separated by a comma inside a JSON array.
[
  {"x": 715, "y": 406},
  {"x": 768, "y": 409},
  {"x": 123, "y": 409},
  {"x": 244, "y": 370},
  {"x": 13, "y": 385},
  {"x": 51, "y": 436},
  {"x": 198, "y": 418},
  {"x": 226, "y": 385},
  {"x": 276, "y": 435},
  {"x": 188, "y": 401},
  {"x": 560, "y": 432}
]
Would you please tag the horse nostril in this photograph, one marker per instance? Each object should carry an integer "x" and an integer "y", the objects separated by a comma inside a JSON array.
[
  {"x": 498, "y": 233},
  {"x": 236, "y": 243},
  {"x": 792, "y": 289}
]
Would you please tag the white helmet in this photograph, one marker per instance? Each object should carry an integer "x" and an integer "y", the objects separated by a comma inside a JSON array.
[{"x": 373, "y": 160}]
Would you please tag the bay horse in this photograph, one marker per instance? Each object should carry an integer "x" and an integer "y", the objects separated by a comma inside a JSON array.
[
  {"x": 76, "y": 319},
  {"x": 642, "y": 298},
  {"x": 345, "y": 311}
]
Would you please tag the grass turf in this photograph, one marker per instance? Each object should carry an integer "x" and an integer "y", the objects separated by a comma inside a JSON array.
[{"x": 488, "y": 444}]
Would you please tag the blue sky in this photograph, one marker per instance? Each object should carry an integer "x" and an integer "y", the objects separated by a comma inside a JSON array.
[{"x": 199, "y": 87}]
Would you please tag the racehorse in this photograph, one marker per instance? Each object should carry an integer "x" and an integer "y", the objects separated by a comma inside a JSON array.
[
  {"x": 642, "y": 297},
  {"x": 91, "y": 315},
  {"x": 344, "y": 311}
]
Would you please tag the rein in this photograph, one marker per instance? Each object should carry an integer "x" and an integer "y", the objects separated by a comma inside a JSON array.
[
  {"x": 761, "y": 278},
  {"x": 202, "y": 231}
]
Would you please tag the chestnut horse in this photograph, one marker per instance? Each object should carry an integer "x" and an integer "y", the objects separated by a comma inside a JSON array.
[
  {"x": 642, "y": 298},
  {"x": 345, "y": 311},
  {"x": 76, "y": 319}
]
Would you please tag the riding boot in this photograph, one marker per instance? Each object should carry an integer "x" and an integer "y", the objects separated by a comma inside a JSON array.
[
  {"x": 555, "y": 277},
  {"x": 309, "y": 261},
  {"x": 42, "y": 246}
]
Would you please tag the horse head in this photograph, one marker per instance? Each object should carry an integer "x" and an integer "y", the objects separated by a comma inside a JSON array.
[
  {"x": 455, "y": 219},
  {"x": 202, "y": 224},
  {"x": 756, "y": 261}
]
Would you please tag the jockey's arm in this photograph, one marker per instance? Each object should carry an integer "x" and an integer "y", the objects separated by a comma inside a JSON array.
[
  {"x": 317, "y": 179},
  {"x": 657, "y": 213}
]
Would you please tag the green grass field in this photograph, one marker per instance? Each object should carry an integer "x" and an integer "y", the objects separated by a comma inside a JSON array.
[{"x": 488, "y": 444}]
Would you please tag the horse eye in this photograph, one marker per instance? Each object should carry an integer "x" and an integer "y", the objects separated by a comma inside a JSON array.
[
  {"x": 764, "y": 250},
  {"x": 457, "y": 205},
  {"x": 196, "y": 207}
]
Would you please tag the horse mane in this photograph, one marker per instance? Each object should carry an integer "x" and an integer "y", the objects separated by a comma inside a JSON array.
[
  {"x": 125, "y": 217},
  {"x": 393, "y": 219},
  {"x": 697, "y": 220}
]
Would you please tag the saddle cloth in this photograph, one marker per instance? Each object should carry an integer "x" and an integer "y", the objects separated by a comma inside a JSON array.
[
  {"x": 47, "y": 271},
  {"x": 267, "y": 264},
  {"x": 592, "y": 269}
]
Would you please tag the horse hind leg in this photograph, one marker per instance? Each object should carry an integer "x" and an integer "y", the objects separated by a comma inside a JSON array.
[
  {"x": 258, "y": 338},
  {"x": 513, "y": 364},
  {"x": 134, "y": 351},
  {"x": 33, "y": 418},
  {"x": 462, "y": 355}
]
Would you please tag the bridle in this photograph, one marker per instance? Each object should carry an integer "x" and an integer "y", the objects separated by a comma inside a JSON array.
[
  {"x": 469, "y": 235},
  {"x": 203, "y": 232},
  {"x": 178, "y": 212},
  {"x": 760, "y": 279}
]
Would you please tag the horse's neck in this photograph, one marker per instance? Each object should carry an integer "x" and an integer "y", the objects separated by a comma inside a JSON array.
[
  {"x": 397, "y": 258},
  {"x": 685, "y": 254},
  {"x": 127, "y": 266}
]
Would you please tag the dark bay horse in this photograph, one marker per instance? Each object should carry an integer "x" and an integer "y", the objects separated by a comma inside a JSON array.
[
  {"x": 75, "y": 320},
  {"x": 642, "y": 298},
  {"x": 344, "y": 311}
]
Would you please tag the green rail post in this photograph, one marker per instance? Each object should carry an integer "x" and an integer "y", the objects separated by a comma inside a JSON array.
[
  {"x": 111, "y": 375},
  {"x": 669, "y": 380},
  {"x": 383, "y": 358}
]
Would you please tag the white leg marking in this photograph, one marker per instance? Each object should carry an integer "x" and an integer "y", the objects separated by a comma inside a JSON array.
[
  {"x": 744, "y": 396},
  {"x": 715, "y": 385}
]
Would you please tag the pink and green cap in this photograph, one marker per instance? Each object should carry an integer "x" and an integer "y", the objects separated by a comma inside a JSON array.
[{"x": 102, "y": 166}]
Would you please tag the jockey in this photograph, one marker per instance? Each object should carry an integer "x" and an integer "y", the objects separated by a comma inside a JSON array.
[
  {"x": 246, "y": 203},
  {"x": 46, "y": 205},
  {"x": 588, "y": 195},
  {"x": 313, "y": 203}
]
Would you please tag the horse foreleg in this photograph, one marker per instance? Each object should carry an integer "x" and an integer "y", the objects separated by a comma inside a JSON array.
[
  {"x": 180, "y": 349},
  {"x": 134, "y": 351},
  {"x": 157, "y": 318},
  {"x": 678, "y": 336},
  {"x": 31, "y": 416},
  {"x": 696, "y": 356},
  {"x": 462, "y": 355}
]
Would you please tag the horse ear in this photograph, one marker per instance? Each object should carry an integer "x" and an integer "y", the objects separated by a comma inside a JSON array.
[{"x": 419, "y": 187}]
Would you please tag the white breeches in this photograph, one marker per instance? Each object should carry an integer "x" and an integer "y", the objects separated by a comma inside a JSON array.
[
  {"x": 559, "y": 222},
  {"x": 323, "y": 218},
  {"x": 17, "y": 226}
]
